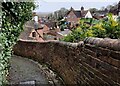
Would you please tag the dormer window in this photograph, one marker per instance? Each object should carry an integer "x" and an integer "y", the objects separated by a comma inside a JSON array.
[{"x": 33, "y": 34}]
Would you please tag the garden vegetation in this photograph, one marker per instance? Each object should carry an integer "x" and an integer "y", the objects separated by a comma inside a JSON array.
[{"x": 108, "y": 27}]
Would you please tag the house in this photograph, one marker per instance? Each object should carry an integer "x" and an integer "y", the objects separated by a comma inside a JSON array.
[
  {"x": 100, "y": 14},
  {"x": 88, "y": 15},
  {"x": 51, "y": 35},
  {"x": 42, "y": 32},
  {"x": 56, "y": 34},
  {"x": 73, "y": 16},
  {"x": 36, "y": 35},
  {"x": 30, "y": 33}
]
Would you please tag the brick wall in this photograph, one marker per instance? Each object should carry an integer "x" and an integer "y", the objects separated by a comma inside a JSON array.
[
  {"x": 71, "y": 17},
  {"x": 94, "y": 62}
]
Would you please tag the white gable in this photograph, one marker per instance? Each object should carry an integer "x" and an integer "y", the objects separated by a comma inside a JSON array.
[{"x": 88, "y": 15}]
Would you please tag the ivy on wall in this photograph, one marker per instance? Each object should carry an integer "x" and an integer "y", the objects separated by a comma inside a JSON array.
[{"x": 14, "y": 15}]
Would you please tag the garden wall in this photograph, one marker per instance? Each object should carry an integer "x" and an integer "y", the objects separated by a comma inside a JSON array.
[{"x": 95, "y": 61}]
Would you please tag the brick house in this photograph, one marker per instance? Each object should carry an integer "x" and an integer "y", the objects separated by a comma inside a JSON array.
[{"x": 73, "y": 16}]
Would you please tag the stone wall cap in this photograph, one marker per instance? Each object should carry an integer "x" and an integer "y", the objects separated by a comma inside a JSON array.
[{"x": 113, "y": 44}]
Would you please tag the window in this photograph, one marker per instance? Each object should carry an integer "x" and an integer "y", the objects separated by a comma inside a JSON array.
[
  {"x": 33, "y": 34},
  {"x": 55, "y": 38}
]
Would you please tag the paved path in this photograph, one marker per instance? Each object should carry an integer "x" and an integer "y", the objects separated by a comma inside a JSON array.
[{"x": 23, "y": 69}]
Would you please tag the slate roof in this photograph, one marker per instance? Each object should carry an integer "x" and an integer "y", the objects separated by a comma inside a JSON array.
[
  {"x": 78, "y": 13},
  {"x": 50, "y": 24},
  {"x": 28, "y": 27}
]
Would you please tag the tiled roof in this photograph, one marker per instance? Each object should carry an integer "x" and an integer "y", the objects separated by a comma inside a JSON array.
[
  {"x": 28, "y": 27},
  {"x": 52, "y": 32},
  {"x": 25, "y": 34}
]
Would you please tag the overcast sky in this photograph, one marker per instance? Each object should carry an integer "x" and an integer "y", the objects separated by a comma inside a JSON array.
[{"x": 53, "y": 5}]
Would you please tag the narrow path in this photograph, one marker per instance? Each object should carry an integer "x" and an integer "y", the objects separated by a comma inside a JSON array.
[{"x": 23, "y": 69}]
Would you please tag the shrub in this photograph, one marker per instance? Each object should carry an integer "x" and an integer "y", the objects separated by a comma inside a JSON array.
[{"x": 107, "y": 27}]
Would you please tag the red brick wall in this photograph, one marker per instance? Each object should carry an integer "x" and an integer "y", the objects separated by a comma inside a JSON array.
[{"x": 96, "y": 62}]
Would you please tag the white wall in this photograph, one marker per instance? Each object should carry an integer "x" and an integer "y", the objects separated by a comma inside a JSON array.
[{"x": 88, "y": 15}]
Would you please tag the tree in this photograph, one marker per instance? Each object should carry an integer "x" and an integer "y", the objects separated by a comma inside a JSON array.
[
  {"x": 102, "y": 8},
  {"x": 109, "y": 7},
  {"x": 14, "y": 16},
  {"x": 93, "y": 10},
  {"x": 61, "y": 13},
  {"x": 58, "y": 15},
  {"x": 109, "y": 28}
]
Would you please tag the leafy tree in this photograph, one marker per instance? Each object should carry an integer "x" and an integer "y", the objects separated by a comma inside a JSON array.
[
  {"x": 98, "y": 30},
  {"x": 14, "y": 16},
  {"x": 58, "y": 15},
  {"x": 81, "y": 32},
  {"x": 102, "y": 8},
  {"x": 109, "y": 7},
  {"x": 107, "y": 27}
]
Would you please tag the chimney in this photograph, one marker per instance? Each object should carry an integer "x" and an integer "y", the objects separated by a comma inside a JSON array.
[
  {"x": 71, "y": 9},
  {"x": 82, "y": 8}
]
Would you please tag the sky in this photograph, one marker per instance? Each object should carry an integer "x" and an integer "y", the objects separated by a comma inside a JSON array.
[{"x": 53, "y": 5}]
